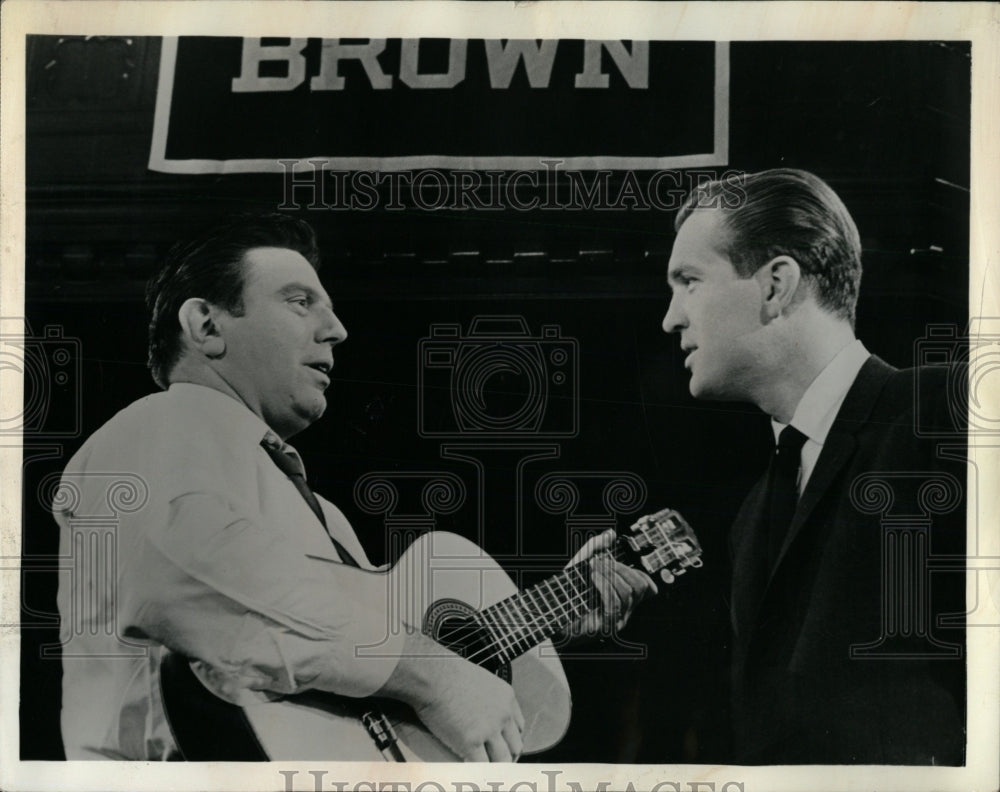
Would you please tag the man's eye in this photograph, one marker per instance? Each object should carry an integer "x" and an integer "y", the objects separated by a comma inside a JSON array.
[{"x": 303, "y": 301}]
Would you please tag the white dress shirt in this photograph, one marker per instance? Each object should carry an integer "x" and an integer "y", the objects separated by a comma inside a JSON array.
[
  {"x": 819, "y": 405},
  {"x": 214, "y": 554}
]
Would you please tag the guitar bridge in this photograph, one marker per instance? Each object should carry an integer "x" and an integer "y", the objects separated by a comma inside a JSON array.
[{"x": 380, "y": 730}]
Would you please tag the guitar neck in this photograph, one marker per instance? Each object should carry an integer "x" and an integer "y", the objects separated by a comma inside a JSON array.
[
  {"x": 511, "y": 627},
  {"x": 524, "y": 620}
]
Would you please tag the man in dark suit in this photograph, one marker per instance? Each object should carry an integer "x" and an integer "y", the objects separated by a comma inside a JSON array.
[{"x": 838, "y": 655}]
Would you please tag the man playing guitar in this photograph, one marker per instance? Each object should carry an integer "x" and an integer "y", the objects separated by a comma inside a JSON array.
[{"x": 231, "y": 562}]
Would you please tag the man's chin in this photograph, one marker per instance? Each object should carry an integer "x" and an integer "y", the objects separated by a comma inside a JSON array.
[
  {"x": 700, "y": 389},
  {"x": 314, "y": 410},
  {"x": 695, "y": 387},
  {"x": 305, "y": 415}
]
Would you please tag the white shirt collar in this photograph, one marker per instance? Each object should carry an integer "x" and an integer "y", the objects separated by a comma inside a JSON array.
[
  {"x": 220, "y": 407},
  {"x": 819, "y": 405}
]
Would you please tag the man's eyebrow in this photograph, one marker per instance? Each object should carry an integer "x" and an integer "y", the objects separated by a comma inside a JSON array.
[
  {"x": 675, "y": 273},
  {"x": 293, "y": 288}
]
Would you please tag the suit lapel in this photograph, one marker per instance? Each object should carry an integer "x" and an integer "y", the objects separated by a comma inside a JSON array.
[
  {"x": 840, "y": 444},
  {"x": 837, "y": 450},
  {"x": 749, "y": 575},
  {"x": 752, "y": 578}
]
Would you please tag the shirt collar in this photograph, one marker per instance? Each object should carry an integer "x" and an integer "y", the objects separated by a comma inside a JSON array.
[
  {"x": 220, "y": 408},
  {"x": 819, "y": 405}
]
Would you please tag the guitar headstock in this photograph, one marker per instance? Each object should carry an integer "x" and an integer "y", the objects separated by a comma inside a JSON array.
[{"x": 662, "y": 540}]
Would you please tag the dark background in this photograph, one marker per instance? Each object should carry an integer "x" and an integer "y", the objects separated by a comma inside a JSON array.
[{"x": 887, "y": 124}]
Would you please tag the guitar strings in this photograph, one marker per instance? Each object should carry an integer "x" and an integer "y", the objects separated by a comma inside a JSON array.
[
  {"x": 519, "y": 629},
  {"x": 538, "y": 623},
  {"x": 538, "y": 626}
]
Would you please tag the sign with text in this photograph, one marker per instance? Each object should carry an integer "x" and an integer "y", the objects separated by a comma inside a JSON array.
[{"x": 231, "y": 105}]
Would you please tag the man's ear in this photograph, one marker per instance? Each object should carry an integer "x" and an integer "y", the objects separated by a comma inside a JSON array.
[
  {"x": 198, "y": 323},
  {"x": 779, "y": 283}
]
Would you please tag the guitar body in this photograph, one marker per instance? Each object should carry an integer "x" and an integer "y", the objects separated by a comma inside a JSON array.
[
  {"x": 451, "y": 590},
  {"x": 440, "y": 578}
]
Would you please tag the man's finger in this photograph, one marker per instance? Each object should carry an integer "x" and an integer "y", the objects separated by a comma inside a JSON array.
[
  {"x": 477, "y": 754},
  {"x": 518, "y": 716},
  {"x": 592, "y": 545},
  {"x": 512, "y": 734},
  {"x": 629, "y": 586},
  {"x": 619, "y": 589},
  {"x": 498, "y": 750},
  {"x": 639, "y": 583},
  {"x": 622, "y": 588},
  {"x": 603, "y": 579}
]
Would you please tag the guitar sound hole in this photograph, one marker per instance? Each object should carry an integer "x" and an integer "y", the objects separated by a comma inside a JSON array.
[{"x": 451, "y": 624}]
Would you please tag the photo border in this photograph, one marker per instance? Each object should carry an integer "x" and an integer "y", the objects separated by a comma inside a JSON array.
[{"x": 716, "y": 21}]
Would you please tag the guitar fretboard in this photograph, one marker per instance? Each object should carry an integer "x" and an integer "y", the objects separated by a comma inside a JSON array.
[
  {"x": 513, "y": 626},
  {"x": 524, "y": 620}
]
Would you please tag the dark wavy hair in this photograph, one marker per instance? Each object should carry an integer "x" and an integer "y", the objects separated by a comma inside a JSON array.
[
  {"x": 211, "y": 267},
  {"x": 793, "y": 213}
]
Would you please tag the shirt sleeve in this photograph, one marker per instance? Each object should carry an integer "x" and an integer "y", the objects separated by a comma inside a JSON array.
[{"x": 219, "y": 587}]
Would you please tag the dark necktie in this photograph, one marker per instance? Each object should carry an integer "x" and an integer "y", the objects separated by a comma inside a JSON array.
[
  {"x": 288, "y": 461},
  {"x": 784, "y": 492}
]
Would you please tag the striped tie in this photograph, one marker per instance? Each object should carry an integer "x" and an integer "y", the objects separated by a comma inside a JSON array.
[{"x": 288, "y": 461}]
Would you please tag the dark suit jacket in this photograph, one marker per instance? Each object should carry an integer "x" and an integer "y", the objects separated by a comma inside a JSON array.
[{"x": 798, "y": 694}]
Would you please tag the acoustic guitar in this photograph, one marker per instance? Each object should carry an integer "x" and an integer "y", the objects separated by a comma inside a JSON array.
[{"x": 454, "y": 592}]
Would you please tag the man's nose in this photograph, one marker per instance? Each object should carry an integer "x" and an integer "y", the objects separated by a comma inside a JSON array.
[
  {"x": 673, "y": 321},
  {"x": 332, "y": 329}
]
